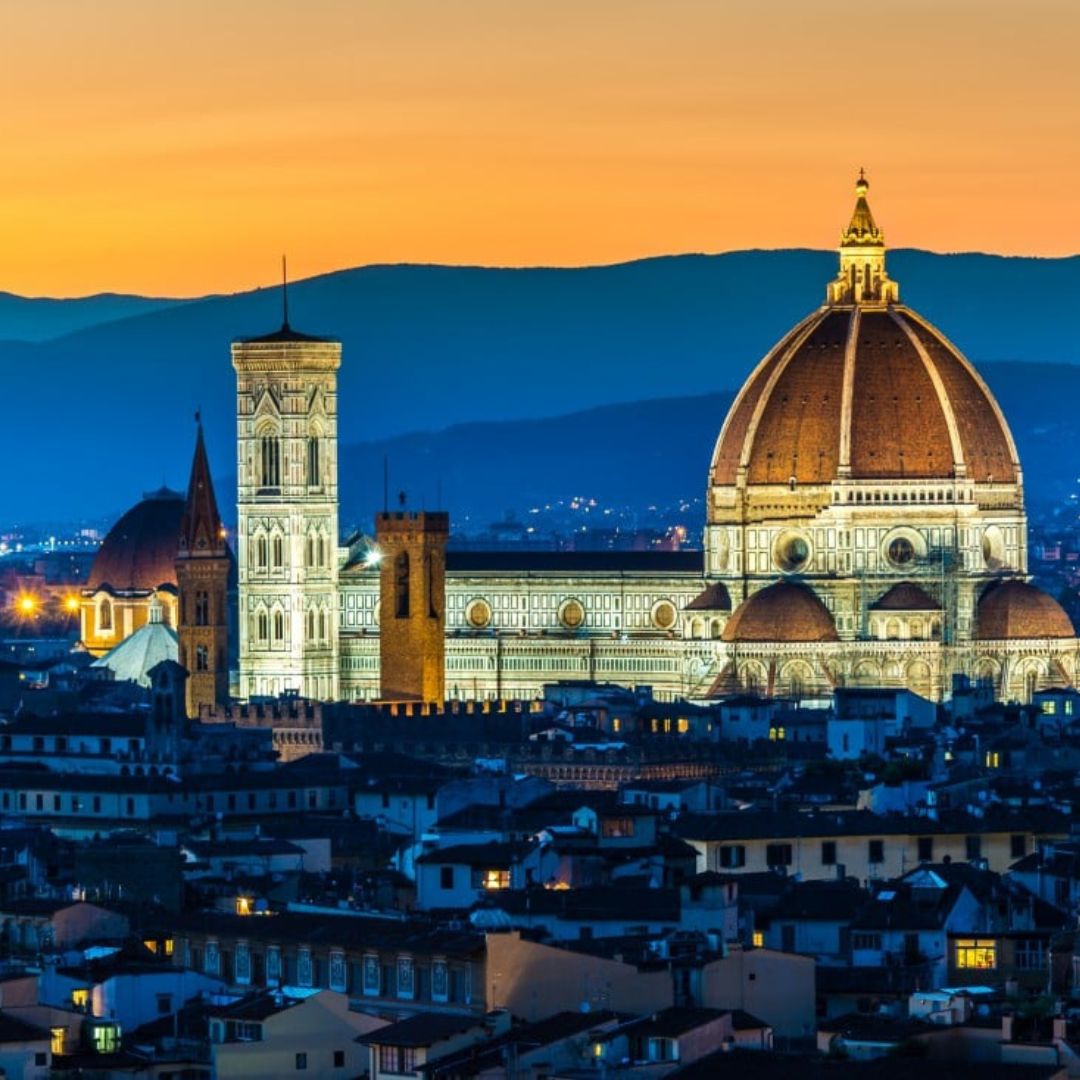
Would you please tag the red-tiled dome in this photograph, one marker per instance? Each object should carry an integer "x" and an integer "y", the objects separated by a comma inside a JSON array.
[
  {"x": 139, "y": 552},
  {"x": 918, "y": 409},
  {"x": 781, "y": 612},
  {"x": 907, "y": 596},
  {"x": 1015, "y": 609}
]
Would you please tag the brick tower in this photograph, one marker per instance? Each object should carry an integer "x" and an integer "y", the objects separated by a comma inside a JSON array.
[
  {"x": 202, "y": 577},
  {"x": 412, "y": 605}
]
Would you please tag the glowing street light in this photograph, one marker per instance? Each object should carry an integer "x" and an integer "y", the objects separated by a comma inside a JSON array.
[
  {"x": 71, "y": 604},
  {"x": 27, "y": 605}
]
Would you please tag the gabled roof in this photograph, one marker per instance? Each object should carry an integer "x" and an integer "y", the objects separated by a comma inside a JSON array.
[{"x": 421, "y": 1030}]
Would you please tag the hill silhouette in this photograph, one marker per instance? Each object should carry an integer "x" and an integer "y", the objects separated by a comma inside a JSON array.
[{"x": 99, "y": 415}]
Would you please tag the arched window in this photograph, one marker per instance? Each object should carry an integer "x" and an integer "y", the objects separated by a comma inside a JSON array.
[
  {"x": 263, "y": 624},
  {"x": 202, "y": 608},
  {"x": 104, "y": 615},
  {"x": 269, "y": 461},
  {"x": 310, "y": 624},
  {"x": 202, "y": 658},
  {"x": 401, "y": 584},
  {"x": 310, "y": 552},
  {"x": 279, "y": 626},
  {"x": 322, "y": 549},
  {"x": 277, "y": 548},
  {"x": 313, "y": 468},
  {"x": 262, "y": 553},
  {"x": 322, "y": 625}
]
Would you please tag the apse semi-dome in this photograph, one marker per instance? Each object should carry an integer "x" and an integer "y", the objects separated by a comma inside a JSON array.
[
  {"x": 139, "y": 552},
  {"x": 1015, "y": 609},
  {"x": 786, "y": 612},
  {"x": 864, "y": 389}
]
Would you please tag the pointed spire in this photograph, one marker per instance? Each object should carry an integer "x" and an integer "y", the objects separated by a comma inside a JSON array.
[
  {"x": 284, "y": 295},
  {"x": 862, "y": 278},
  {"x": 201, "y": 530}
]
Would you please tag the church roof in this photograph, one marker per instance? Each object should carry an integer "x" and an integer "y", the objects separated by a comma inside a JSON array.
[
  {"x": 783, "y": 611},
  {"x": 906, "y": 596},
  {"x": 201, "y": 531},
  {"x": 1015, "y": 609},
  {"x": 714, "y": 597},
  {"x": 139, "y": 552},
  {"x": 284, "y": 333},
  {"x": 137, "y": 655}
]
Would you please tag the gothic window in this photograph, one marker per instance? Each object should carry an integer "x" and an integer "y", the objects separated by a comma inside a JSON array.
[
  {"x": 279, "y": 626},
  {"x": 105, "y": 615},
  {"x": 322, "y": 625},
  {"x": 277, "y": 547},
  {"x": 269, "y": 461},
  {"x": 311, "y": 624},
  {"x": 310, "y": 561},
  {"x": 261, "y": 553},
  {"x": 202, "y": 608},
  {"x": 263, "y": 623},
  {"x": 202, "y": 658},
  {"x": 313, "y": 469},
  {"x": 401, "y": 584}
]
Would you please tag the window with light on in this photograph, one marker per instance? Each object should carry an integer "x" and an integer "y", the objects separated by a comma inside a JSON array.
[{"x": 976, "y": 954}]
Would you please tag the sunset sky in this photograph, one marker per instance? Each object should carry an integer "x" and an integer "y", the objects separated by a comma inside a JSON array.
[{"x": 179, "y": 148}]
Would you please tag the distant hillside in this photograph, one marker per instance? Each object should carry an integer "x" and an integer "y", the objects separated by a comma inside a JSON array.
[
  {"x": 25, "y": 318},
  {"x": 655, "y": 452},
  {"x": 104, "y": 413}
]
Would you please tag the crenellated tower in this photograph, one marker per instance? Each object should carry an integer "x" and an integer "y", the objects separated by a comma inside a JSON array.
[
  {"x": 287, "y": 513},
  {"x": 202, "y": 577}
]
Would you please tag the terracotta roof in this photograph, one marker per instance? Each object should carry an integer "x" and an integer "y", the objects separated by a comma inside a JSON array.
[
  {"x": 715, "y": 597},
  {"x": 139, "y": 552},
  {"x": 1015, "y": 609},
  {"x": 783, "y": 611},
  {"x": 906, "y": 597},
  {"x": 787, "y": 420}
]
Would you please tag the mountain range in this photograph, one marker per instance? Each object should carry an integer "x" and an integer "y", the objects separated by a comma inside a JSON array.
[{"x": 467, "y": 361}]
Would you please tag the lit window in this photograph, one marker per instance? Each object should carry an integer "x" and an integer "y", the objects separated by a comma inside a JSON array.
[
  {"x": 759, "y": 939},
  {"x": 495, "y": 879},
  {"x": 978, "y": 954},
  {"x": 151, "y": 945},
  {"x": 56, "y": 1039},
  {"x": 243, "y": 905},
  {"x": 1049, "y": 707},
  {"x": 168, "y": 946},
  {"x": 684, "y": 725},
  {"x": 993, "y": 759},
  {"x": 80, "y": 998}
]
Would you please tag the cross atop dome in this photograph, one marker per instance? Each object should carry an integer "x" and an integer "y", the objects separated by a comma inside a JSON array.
[{"x": 862, "y": 278}]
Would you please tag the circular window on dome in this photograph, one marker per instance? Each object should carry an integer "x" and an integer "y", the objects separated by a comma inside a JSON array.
[
  {"x": 572, "y": 614},
  {"x": 664, "y": 615},
  {"x": 792, "y": 552},
  {"x": 993, "y": 548},
  {"x": 478, "y": 614},
  {"x": 900, "y": 552}
]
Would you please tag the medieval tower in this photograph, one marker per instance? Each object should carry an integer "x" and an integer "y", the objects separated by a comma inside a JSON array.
[
  {"x": 202, "y": 577},
  {"x": 412, "y": 605},
  {"x": 287, "y": 513}
]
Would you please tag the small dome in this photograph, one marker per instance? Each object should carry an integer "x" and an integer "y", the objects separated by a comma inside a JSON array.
[
  {"x": 1015, "y": 609},
  {"x": 139, "y": 553},
  {"x": 713, "y": 598},
  {"x": 781, "y": 612},
  {"x": 906, "y": 596}
]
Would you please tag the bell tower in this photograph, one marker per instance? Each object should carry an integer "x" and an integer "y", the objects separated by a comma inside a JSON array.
[
  {"x": 202, "y": 576},
  {"x": 287, "y": 513},
  {"x": 412, "y": 605}
]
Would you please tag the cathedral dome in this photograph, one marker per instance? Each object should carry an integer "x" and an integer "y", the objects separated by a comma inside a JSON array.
[
  {"x": 1015, "y": 609},
  {"x": 783, "y": 611},
  {"x": 139, "y": 552},
  {"x": 865, "y": 389}
]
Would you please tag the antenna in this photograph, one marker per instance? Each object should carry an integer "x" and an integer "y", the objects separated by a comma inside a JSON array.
[{"x": 284, "y": 294}]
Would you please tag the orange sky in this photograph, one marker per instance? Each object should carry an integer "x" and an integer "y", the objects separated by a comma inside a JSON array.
[{"x": 180, "y": 147}]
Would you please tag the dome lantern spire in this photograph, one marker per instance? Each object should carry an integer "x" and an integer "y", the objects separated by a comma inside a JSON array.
[{"x": 862, "y": 278}]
